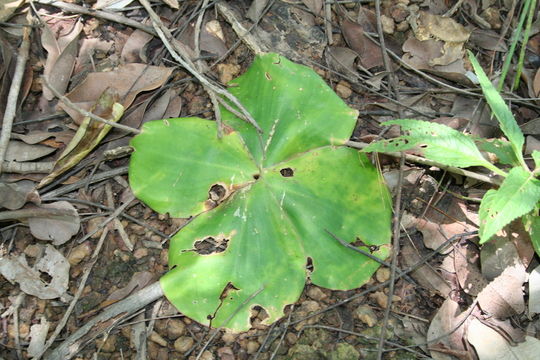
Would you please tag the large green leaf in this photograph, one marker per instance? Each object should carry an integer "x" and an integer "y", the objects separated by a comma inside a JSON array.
[
  {"x": 277, "y": 196},
  {"x": 517, "y": 196},
  {"x": 434, "y": 141}
]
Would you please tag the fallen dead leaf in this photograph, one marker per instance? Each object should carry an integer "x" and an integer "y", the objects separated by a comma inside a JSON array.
[
  {"x": 138, "y": 281},
  {"x": 503, "y": 297},
  {"x": 57, "y": 229},
  {"x": 490, "y": 345},
  {"x": 20, "y": 152},
  {"x": 445, "y": 321},
  {"x": 14, "y": 195},
  {"x": 425, "y": 275},
  {"x": 133, "y": 50},
  {"x": 370, "y": 54},
  {"x": 16, "y": 270},
  {"x": 466, "y": 262},
  {"x": 129, "y": 80}
]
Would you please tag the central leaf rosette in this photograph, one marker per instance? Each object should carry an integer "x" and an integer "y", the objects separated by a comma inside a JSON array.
[{"x": 264, "y": 204}]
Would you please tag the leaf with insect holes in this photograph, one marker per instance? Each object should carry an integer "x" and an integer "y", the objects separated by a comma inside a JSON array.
[
  {"x": 532, "y": 225},
  {"x": 263, "y": 203},
  {"x": 434, "y": 141},
  {"x": 517, "y": 196},
  {"x": 502, "y": 149},
  {"x": 501, "y": 111}
]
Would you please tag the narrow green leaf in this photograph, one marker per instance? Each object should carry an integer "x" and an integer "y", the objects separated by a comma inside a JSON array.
[
  {"x": 434, "y": 141},
  {"x": 500, "y": 109},
  {"x": 517, "y": 196}
]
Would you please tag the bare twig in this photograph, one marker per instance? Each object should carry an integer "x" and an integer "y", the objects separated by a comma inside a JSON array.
[
  {"x": 34, "y": 212},
  {"x": 73, "y": 106},
  {"x": 423, "y": 161},
  {"x": 72, "y": 8},
  {"x": 73, "y": 344},
  {"x": 113, "y": 216},
  {"x": 117, "y": 224},
  {"x": 179, "y": 55},
  {"x": 28, "y": 167},
  {"x": 13, "y": 95}
]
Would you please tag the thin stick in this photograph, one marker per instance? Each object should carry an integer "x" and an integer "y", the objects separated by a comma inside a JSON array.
[
  {"x": 423, "y": 161},
  {"x": 60, "y": 326},
  {"x": 71, "y": 105},
  {"x": 168, "y": 40},
  {"x": 35, "y": 212},
  {"x": 44, "y": 167},
  {"x": 13, "y": 95},
  {"x": 72, "y": 8}
]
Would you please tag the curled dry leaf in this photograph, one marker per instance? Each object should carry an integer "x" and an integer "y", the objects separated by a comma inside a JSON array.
[
  {"x": 132, "y": 52},
  {"x": 61, "y": 56},
  {"x": 369, "y": 53},
  {"x": 57, "y": 229},
  {"x": 16, "y": 270}
]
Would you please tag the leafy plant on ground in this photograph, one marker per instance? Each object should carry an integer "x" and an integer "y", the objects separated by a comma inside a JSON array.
[
  {"x": 265, "y": 204},
  {"x": 518, "y": 194}
]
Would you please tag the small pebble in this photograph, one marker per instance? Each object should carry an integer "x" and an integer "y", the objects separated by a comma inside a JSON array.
[
  {"x": 175, "y": 329},
  {"x": 79, "y": 252},
  {"x": 343, "y": 90},
  {"x": 383, "y": 274},
  {"x": 316, "y": 294},
  {"x": 365, "y": 314},
  {"x": 228, "y": 338},
  {"x": 252, "y": 347},
  {"x": 388, "y": 24},
  {"x": 380, "y": 298},
  {"x": 183, "y": 344},
  {"x": 140, "y": 253},
  {"x": 207, "y": 355},
  {"x": 158, "y": 339}
]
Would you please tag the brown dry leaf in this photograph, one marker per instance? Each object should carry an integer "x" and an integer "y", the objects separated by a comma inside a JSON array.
[
  {"x": 369, "y": 53},
  {"x": 467, "y": 267},
  {"x": 138, "y": 281},
  {"x": 61, "y": 56},
  {"x": 428, "y": 26},
  {"x": 14, "y": 195},
  {"x": 449, "y": 220},
  {"x": 342, "y": 59},
  {"x": 174, "y": 108},
  {"x": 88, "y": 48},
  {"x": 444, "y": 322},
  {"x": 490, "y": 345},
  {"x": 20, "y": 152},
  {"x": 57, "y": 229},
  {"x": 425, "y": 275},
  {"x": 536, "y": 83},
  {"x": 16, "y": 270},
  {"x": 531, "y": 127},
  {"x": 503, "y": 297},
  {"x": 156, "y": 111},
  {"x": 489, "y": 40},
  {"x": 133, "y": 50},
  {"x": 128, "y": 80}
]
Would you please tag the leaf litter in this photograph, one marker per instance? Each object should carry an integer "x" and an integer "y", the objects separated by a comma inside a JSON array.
[{"x": 503, "y": 273}]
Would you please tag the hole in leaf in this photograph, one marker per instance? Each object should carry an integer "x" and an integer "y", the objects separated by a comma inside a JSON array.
[
  {"x": 46, "y": 278},
  {"x": 227, "y": 291},
  {"x": 256, "y": 176},
  {"x": 258, "y": 315},
  {"x": 210, "y": 245},
  {"x": 309, "y": 264},
  {"x": 286, "y": 172},
  {"x": 217, "y": 193},
  {"x": 423, "y": 146},
  {"x": 359, "y": 243}
]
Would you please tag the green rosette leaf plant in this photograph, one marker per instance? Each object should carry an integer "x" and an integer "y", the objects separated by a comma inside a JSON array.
[{"x": 264, "y": 204}]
